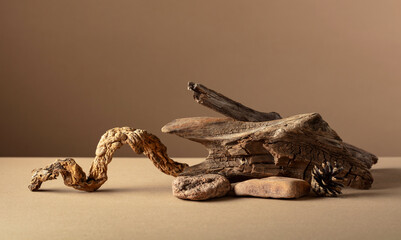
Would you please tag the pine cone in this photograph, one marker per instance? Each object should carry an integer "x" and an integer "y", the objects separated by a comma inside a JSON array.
[{"x": 325, "y": 180}]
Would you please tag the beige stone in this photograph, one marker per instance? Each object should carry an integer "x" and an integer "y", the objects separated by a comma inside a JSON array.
[
  {"x": 201, "y": 187},
  {"x": 273, "y": 187}
]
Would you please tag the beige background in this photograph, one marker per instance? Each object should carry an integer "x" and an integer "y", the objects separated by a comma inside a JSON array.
[{"x": 69, "y": 70}]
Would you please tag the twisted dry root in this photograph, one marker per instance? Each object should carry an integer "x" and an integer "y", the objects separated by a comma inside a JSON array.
[{"x": 139, "y": 140}]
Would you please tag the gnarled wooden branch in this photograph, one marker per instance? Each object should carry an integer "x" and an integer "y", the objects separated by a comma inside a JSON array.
[
  {"x": 230, "y": 108},
  {"x": 257, "y": 147},
  {"x": 139, "y": 140},
  {"x": 288, "y": 147}
]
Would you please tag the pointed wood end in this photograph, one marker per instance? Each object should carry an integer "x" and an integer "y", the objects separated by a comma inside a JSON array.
[{"x": 187, "y": 125}]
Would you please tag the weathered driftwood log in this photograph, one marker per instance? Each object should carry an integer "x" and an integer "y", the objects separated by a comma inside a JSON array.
[
  {"x": 230, "y": 108},
  {"x": 261, "y": 147},
  {"x": 139, "y": 140}
]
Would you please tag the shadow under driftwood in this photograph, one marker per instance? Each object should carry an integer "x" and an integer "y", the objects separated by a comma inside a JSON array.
[
  {"x": 149, "y": 189},
  {"x": 386, "y": 178}
]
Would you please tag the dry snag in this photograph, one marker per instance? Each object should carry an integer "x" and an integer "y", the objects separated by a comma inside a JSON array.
[
  {"x": 244, "y": 145},
  {"x": 139, "y": 140},
  {"x": 252, "y": 144}
]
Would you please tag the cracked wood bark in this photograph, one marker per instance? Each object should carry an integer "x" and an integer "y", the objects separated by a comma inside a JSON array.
[
  {"x": 230, "y": 108},
  {"x": 288, "y": 147},
  {"x": 139, "y": 140},
  {"x": 257, "y": 148}
]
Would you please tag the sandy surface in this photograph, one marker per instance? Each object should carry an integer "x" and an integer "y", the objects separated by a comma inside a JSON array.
[{"x": 136, "y": 203}]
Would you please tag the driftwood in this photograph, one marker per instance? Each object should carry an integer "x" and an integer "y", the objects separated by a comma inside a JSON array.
[
  {"x": 251, "y": 144},
  {"x": 139, "y": 140},
  {"x": 248, "y": 144}
]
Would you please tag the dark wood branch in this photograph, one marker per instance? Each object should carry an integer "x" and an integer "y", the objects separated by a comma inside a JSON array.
[
  {"x": 366, "y": 157},
  {"x": 251, "y": 144},
  {"x": 288, "y": 147},
  {"x": 230, "y": 108}
]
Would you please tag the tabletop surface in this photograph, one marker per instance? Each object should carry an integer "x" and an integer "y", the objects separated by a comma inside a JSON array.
[{"x": 136, "y": 203}]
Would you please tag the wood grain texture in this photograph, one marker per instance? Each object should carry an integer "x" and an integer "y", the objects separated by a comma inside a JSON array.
[
  {"x": 251, "y": 144},
  {"x": 288, "y": 147},
  {"x": 230, "y": 108},
  {"x": 139, "y": 140}
]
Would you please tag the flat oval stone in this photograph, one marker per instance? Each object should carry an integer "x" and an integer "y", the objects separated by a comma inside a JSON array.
[
  {"x": 273, "y": 187},
  {"x": 201, "y": 187}
]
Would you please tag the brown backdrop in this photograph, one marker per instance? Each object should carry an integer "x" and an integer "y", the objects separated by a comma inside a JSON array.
[{"x": 70, "y": 70}]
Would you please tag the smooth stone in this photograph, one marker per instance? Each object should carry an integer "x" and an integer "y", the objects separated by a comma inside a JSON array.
[
  {"x": 273, "y": 187},
  {"x": 201, "y": 187}
]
